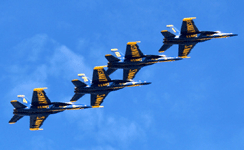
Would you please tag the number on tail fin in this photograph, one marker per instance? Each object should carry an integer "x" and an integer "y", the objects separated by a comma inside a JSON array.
[
  {"x": 85, "y": 79},
  {"x": 118, "y": 54}
]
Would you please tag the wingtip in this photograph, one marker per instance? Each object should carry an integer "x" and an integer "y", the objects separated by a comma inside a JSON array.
[
  {"x": 184, "y": 57},
  {"x": 97, "y": 106},
  {"x": 133, "y": 43},
  {"x": 164, "y": 31},
  {"x": 99, "y": 67},
  {"x": 189, "y": 18},
  {"x": 75, "y": 80},
  {"x": 38, "y": 89},
  {"x": 35, "y": 129}
]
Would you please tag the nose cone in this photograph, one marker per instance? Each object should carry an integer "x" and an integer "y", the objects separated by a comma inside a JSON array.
[
  {"x": 230, "y": 34},
  {"x": 234, "y": 34},
  {"x": 146, "y": 83}
]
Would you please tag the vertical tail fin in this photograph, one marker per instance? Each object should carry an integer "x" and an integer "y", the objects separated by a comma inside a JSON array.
[
  {"x": 24, "y": 100},
  {"x": 85, "y": 79},
  {"x": 174, "y": 29},
  {"x": 117, "y": 53}
]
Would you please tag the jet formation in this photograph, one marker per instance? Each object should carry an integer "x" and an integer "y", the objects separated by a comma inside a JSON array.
[{"x": 101, "y": 84}]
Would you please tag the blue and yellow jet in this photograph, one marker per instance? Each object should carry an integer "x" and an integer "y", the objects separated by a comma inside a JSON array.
[
  {"x": 188, "y": 37},
  {"x": 133, "y": 60},
  {"x": 100, "y": 86},
  {"x": 40, "y": 108}
]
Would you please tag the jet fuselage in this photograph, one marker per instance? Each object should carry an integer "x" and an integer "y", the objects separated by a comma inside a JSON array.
[
  {"x": 195, "y": 38},
  {"x": 141, "y": 62},
  {"x": 48, "y": 109},
  {"x": 107, "y": 87}
]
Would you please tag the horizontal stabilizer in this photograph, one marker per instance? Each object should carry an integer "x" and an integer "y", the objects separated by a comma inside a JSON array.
[
  {"x": 78, "y": 83},
  {"x": 164, "y": 48},
  {"x": 14, "y": 119},
  {"x": 167, "y": 34},
  {"x": 17, "y": 104},
  {"x": 111, "y": 58},
  {"x": 76, "y": 97}
]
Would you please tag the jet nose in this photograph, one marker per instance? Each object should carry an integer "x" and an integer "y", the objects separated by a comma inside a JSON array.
[
  {"x": 234, "y": 35},
  {"x": 146, "y": 83}
]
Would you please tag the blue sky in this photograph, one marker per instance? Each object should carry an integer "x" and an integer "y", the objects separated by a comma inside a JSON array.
[{"x": 193, "y": 104}]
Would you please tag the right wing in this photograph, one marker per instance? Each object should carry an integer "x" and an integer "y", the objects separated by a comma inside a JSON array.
[
  {"x": 39, "y": 97},
  {"x": 97, "y": 99},
  {"x": 37, "y": 121},
  {"x": 185, "y": 49},
  {"x": 129, "y": 74},
  {"x": 99, "y": 75},
  {"x": 133, "y": 51},
  {"x": 188, "y": 27}
]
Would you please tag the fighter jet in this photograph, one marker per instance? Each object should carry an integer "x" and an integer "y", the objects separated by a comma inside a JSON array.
[
  {"x": 133, "y": 60},
  {"x": 188, "y": 37},
  {"x": 100, "y": 86},
  {"x": 40, "y": 108}
]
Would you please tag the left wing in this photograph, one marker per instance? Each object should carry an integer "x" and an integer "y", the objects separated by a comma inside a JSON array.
[
  {"x": 129, "y": 74},
  {"x": 188, "y": 27},
  {"x": 39, "y": 97},
  {"x": 97, "y": 99},
  {"x": 185, "y": 49},
  {"x": 37, "y": 121}
]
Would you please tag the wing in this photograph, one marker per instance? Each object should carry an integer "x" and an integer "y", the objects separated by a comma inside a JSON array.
[
  {"x": 39, "y": 97},
  {"x": 97, "y": 99},
  {"x": 185, "y": 49},
  {"x": 188, "y": 27},
  {"x": 133, "y": 51},
  {"x": 99, "y": 75},
  {"x": 37, "y": 121},
  {"x": 129, "y": 74}
]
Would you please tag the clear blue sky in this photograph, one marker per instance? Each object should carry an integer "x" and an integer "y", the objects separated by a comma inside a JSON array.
[{"x": 193, "y": 104}]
